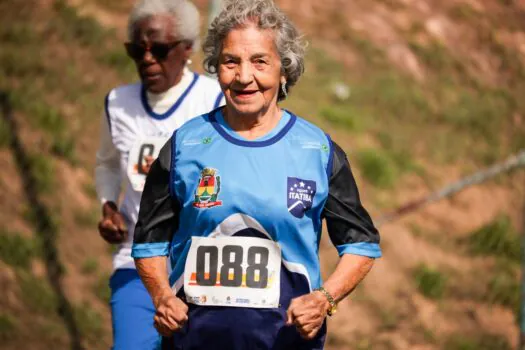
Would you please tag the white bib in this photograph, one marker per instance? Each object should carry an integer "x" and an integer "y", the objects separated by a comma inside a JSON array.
[
  {"x": 233, "y": 271},
  {"x": 137, "y": 161}
]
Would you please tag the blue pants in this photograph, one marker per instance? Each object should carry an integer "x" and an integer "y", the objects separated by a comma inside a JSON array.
[{"x": 132, "y": 313}]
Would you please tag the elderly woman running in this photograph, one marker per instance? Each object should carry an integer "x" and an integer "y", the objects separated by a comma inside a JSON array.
[
  {"x": 239, "y": 214},
  {"x": 138, "y": 120}
]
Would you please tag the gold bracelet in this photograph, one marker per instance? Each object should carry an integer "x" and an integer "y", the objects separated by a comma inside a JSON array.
[{"x": 333, "y": 305}]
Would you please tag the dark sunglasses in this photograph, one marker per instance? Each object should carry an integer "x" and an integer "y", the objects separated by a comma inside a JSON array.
[{"x": 158, "y": 50}]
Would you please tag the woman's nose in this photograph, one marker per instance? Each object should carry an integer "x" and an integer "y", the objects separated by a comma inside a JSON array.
[{"x": 244, "y": 74}]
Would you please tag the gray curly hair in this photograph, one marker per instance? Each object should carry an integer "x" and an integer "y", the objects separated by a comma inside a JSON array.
[
  {"x": 184, "y": 13},
  {"x": 266, "y": 15}
]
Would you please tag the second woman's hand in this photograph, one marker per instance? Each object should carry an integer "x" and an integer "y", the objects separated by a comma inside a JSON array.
[{"x": 112, "y": 226}]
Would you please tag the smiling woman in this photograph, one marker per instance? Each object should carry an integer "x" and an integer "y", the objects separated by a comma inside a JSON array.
[
  {"x": 137, "y": 121},
  {"x": 240, "y": 215}
]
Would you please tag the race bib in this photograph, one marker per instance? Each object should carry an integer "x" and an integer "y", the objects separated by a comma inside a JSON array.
[
  {"x": 141, "y": 156},
  {"x": 233, "y": 271}
]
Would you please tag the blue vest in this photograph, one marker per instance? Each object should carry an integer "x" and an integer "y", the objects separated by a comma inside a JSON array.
[{"x": 276, "y": 187}]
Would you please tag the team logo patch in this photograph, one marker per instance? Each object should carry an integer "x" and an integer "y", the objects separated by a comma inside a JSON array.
[
  {"x": 300, "y": 196},
  {"x": 208, "y": 189}
]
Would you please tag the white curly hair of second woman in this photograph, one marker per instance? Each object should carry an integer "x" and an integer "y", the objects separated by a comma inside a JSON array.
[
  {"x": 183, "y": 12},
  {"x": 266, "y": 15}
]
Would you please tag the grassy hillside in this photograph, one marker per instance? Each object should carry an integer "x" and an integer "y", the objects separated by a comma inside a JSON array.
[{"x": 449, "y": 278}]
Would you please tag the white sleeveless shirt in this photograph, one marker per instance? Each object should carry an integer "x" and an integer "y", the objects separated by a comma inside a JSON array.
[{"x": 135, "y": 125}]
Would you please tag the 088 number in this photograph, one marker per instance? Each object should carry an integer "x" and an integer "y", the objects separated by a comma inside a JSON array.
[{"x": 229, "y": 264}]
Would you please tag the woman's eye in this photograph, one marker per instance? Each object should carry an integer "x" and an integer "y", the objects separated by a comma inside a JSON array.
[{"x": 228, "y": 61}]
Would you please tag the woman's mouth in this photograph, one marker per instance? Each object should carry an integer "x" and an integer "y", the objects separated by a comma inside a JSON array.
[{"x": 243, "y": 94}]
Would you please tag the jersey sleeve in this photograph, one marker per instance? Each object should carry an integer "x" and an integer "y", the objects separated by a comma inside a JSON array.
[
  {"x": 349, "y": 225},
  {"x": 159, "y": 211},
  {"x": 107, "y": 170}
]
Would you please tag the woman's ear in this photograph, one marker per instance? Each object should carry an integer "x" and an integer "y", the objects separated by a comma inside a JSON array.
[{"x": 188, "y": 50}]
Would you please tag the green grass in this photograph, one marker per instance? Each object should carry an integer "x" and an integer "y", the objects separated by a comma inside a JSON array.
[
  {"x": 64, "y": 147},
  {"x": 89, "y": 266},
  {"x": 16, "y": 250},
  {"x": 89, "y": 321},
  {"x": 101, "y": 288},
  {"x": 377, "y": 168},
  {"x": 430, "y": 282},
  {"x": 8, "y": 327},
  {"x": 83, "y": 30},
  {"x": 463, "y": 12},
  {"x": 113, "y": 5},
  {"x": 497, "y": 238},
  {"x": 481, "y": 341},
  {"x": 5, "y": 134},
  {"x": 37, "y": 294},
  {"x": 116, "y": 59},
  {"x": 90, "y": 190},
  {"x": 342, "y": 116},
  {"x": 504, "y": 285},
  {"x": 43, "y": 171},
  {"x": 87, "y": 218}
]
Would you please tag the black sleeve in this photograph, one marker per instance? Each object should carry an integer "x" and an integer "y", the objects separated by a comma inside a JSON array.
[
  {"x": 158, "y": 214},
  {"x": 349, "y": 225}
]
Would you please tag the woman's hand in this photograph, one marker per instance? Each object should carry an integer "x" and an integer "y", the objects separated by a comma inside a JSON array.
[
  {"x": 307, "y": 313},
  {"x": 171, "y": 315},
  {"x": 112, "y": 227}
]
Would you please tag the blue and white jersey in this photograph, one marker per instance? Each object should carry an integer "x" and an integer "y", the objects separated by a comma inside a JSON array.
[
  {"x": 209, "y": 182},
  {"x": 137, "y": 132}
]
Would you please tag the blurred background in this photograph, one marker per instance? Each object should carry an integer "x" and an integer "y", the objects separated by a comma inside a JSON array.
[{"x": 419, "y": 93}]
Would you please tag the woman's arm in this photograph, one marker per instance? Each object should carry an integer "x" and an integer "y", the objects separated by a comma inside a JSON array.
[
  {"x": 152, "y": 272},
  {"x": 356, "y": 239},
  {"x": 107, "y": 183},
  {"x": 156, "y": 223},
  {"x": 171, "y": 312},
  {"x": 107, "y": 169},
  {"x": 350, "y": 271}
]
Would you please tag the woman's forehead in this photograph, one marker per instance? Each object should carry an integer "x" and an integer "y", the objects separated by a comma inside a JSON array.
[
  {"x": 249, "y": 39},
  {"x": 159, "y": 27}
]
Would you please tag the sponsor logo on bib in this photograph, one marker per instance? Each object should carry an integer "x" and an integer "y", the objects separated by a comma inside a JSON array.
[{"x": 208, "y": 189}]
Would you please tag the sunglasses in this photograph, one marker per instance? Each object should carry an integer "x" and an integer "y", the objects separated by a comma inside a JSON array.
[{"x": 157, "y": 50}]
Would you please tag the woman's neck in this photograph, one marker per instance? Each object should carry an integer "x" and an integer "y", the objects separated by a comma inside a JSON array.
[
  {"x": 254, "y": 126},
  {"x": 163, "y": 101}
]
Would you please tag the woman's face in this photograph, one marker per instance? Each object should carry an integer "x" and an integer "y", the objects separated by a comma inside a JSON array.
[
  {"x": 250, "y": 70},
  {"x": 157, "y": 72}
]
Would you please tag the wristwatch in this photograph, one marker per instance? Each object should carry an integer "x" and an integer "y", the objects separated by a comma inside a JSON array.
[{"x": 333, "y": 305}]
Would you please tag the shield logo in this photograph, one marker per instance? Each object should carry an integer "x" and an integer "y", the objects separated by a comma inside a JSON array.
[
  {"x": 300, "y": 196},
  {"x": 208, "y": 189}
]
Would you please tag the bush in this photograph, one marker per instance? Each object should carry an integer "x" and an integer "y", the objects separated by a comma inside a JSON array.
[
  {"x": 16, "y": 250},
  {"x": 37, "y": 293},
  {"x": 89, "y": 266},
  {"x": 497, "y": 238},
  {"x": 377, "y": 168},
  {"x": 504, "y": 286},
  {"x": 101, "y": 288},
  {"x": 43, "y": 172},
  {"x": 479, "y": 342},
  {"x": 7, "y": 327},
  {"x": 345, "y": 118},
  {"x": 89, "y": 321},
  {"x": 430, "y": 282}
]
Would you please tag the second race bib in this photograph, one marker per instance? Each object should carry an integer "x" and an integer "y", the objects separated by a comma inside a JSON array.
[
  {"x": 141, "y": 156},
  {"x": 233, "y": 271}
]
